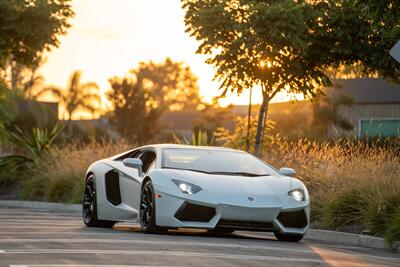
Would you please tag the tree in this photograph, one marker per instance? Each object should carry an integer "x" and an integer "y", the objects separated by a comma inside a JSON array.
[
  {"x": 134, "y": 113},
  {"x": 28, "y": 29},
  {"x": 326, "y": 113},
  {"x": 76, "y": 96},
  {"x": 140, "y": 98},
  {"x": 173, "y": 84},
  {"x": 287, "y": 45}
]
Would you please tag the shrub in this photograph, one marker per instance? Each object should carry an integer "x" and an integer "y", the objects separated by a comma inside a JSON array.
[
  {"x": 347, "y": 208},
  {"x": 77, "y": 192},
  {"x": 60, "y": 175},
  {"x": 60, "y": 190},
  {"x": 35, "y": 188},
  {"x": 381, "y": 211},
  {"x": 393, "y": 231}
]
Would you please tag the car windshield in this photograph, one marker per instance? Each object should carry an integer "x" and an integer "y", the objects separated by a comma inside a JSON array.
[{"x": 215, "y": 162}]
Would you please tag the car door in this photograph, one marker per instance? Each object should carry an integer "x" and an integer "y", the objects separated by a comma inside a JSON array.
[{"x": 131, "y": 182}]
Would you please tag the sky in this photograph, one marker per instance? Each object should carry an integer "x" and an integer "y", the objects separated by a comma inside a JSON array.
[{"x": 110, "y": 37}]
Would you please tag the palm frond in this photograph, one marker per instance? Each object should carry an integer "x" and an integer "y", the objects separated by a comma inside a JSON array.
[
  {"x": 87, "y": 86},
  {"x": 55, "y": 91}
]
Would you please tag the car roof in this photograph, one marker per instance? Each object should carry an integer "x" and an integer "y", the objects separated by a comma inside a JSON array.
[
  {"x": 179, "y": 146},
  {"x": 176, "y": 146}
]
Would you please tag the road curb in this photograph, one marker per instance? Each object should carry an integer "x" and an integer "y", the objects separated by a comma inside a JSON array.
[
  {"x": 312, "y": 234},
  {"x": 75, "y": 208},
  {"x": 365, "y": 241}
]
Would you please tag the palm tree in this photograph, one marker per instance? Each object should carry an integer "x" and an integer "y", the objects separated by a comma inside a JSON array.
[{"x": 77, "y": 95}]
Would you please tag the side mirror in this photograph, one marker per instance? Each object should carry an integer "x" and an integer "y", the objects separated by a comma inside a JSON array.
[
  {"x": 287, "y": 172},
  {"x": 134, "y": 163}
]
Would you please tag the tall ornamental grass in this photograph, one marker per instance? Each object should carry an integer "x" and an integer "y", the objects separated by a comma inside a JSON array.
[{"x": 59, "y": 177}]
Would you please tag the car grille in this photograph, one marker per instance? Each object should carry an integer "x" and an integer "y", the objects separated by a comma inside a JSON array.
[
  {"x": 246, "y": 225},
  {"x": 295, "y": 219},
  {"x": 194, "y": 213}
]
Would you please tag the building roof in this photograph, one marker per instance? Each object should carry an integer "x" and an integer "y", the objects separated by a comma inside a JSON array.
[{"x": 367, "y": 91}]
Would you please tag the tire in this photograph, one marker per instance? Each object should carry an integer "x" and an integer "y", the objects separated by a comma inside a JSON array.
[
  {"x": 89, "y": 206},
  {"x": 288, "y": 237},
  {"x": 147, "y": 212}
]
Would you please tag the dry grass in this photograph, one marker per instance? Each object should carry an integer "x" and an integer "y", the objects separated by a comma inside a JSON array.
[
  {"x": 354, "y": 185},
  {"x": 60, "y": 175},
  {"x": 339, "y": 166}
]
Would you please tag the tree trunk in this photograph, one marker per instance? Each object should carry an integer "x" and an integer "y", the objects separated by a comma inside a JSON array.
[
  {"x": 249, "y": 124},
  {"x": 260, "y": 125},
  {"x": 264, "y": 126}
]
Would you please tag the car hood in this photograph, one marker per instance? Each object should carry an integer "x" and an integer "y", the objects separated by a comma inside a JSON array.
[{"x": 235, "y": 184}]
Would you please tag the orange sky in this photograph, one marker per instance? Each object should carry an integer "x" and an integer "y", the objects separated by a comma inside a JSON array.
[{"x": 109, "y": 37}]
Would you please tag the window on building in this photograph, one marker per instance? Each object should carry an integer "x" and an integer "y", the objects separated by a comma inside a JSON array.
[{"x": 382, "y": 127}]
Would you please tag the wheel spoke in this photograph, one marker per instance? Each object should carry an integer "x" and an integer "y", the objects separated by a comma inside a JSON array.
[
  {"x": 88, "y": 201},
  {"x": 146, "y": 207}
]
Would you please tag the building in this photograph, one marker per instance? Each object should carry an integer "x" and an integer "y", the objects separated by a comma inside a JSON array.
[{"x": 375, "y": 111}]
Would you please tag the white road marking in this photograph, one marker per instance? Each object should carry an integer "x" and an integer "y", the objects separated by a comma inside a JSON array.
[
  {"x": 83, "y": 265},
  {"x": 2, "y": 251},
  {"x": 194, "y": 244},
  {"x": 161, "y": 253},
  {"x": 38, "y": 223},
  {"x": 40, "y": 227},
  {"x": 184, "y": 254}
]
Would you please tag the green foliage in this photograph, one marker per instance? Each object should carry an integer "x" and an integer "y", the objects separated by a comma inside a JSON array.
[
  {"x": 60, "y": 190},
  {"x": 5, "y": 109},
  {"x": 133, "y": 115},
  {"x": 326, "y": 113},
  {"x": 140, "y": 98},
  {"x": 199, "y": 138},
  {"x": 393, "y": 232},
  {"x": 35, "y": 187},
  {"x": 381, "y": 211},
  {"x": 28, "y": 28},
  {"x": 34, "y": 145},
  {"x": 238, "y": 138},
  {"x": 287, "y": 45},
  {"x": 345, "y": 209},
  {"x": 77, "y": 192}
]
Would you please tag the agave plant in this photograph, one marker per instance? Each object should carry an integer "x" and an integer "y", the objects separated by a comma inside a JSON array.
[
  {"x": 202, "y": 138},
  {"x": 37, "y": 143}
]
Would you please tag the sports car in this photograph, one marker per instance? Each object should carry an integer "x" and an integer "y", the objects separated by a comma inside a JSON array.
[{"x": 177, "y": 186}]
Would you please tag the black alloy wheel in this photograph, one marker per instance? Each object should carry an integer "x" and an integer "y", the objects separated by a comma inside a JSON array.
[
  {"x": 147, "y": 211},
  {"x": 89, "y": 206}
]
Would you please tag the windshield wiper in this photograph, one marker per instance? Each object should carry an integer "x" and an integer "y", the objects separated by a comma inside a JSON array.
[
  {"x": 242, "y": 174},
  {"x": 221, "y": 173}
]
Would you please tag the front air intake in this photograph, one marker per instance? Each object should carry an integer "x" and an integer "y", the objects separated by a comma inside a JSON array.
[
  {"x": 194, "y": 213},
  {"x": 293, "y": 219}
]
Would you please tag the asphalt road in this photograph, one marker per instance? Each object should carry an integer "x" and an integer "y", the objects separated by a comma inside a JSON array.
[{"x": 43, "y": 239}]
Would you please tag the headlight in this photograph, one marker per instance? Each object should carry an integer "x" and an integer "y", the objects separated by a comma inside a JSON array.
[
  {"x": 297, "y": 194},
  {"x": 187, "y": 188}
]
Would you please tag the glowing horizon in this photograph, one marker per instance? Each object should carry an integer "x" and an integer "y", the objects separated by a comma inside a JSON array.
[{"x": 108, "y": 38}]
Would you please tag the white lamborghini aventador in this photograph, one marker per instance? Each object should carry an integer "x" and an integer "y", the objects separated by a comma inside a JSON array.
[{"x": 214, "y": 188}]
